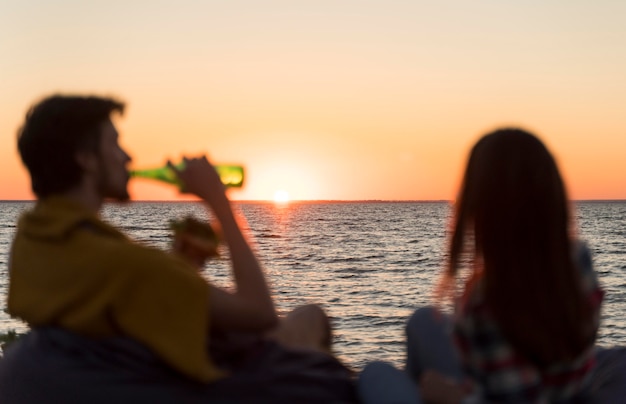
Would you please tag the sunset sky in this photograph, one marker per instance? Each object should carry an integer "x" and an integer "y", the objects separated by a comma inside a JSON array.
[{"x": 329, "y": 99}]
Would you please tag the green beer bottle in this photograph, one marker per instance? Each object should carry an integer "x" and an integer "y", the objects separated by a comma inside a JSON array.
[{"x": 230, "y": 174}]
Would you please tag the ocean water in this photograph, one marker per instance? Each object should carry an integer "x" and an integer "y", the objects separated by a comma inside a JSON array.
[{"x": 369, "y": 264}]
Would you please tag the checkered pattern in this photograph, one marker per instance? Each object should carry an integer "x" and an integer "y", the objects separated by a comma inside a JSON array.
[{"x": 504, "y": 376}]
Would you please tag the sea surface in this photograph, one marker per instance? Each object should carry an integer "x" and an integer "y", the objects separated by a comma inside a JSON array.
[{"x": 369, "y": 264}]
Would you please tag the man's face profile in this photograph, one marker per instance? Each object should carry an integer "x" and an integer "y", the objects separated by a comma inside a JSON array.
[{"x": 112, "y": 174}]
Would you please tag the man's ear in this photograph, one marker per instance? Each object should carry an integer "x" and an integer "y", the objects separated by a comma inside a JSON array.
[{"x": 87, "y": 161}]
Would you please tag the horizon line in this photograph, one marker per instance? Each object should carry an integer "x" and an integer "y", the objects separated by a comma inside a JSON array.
[{"x": 315, "y": 200}]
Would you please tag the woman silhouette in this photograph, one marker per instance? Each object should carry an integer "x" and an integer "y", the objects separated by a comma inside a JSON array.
[{"x": 525, "y": 323}]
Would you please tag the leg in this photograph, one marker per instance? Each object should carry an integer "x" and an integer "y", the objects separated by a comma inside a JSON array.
[
  {"x": 381, "y": 383},
  {"x": 305, "y": 327},
  {"x": 430, "y": 345}
]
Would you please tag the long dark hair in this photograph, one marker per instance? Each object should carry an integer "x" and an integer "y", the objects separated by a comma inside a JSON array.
[{"x": 513, "y": 212}]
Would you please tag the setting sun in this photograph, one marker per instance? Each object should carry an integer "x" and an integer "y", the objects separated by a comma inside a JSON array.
[
  {"x": 328, "y": 114},
  {"x": 281, "y": 196}
]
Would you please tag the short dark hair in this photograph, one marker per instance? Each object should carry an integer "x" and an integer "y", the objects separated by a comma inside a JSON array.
[{"x": 54, "y": 130}]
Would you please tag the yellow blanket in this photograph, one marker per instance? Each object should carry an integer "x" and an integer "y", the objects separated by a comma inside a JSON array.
[{"x": 70, "y": 269}]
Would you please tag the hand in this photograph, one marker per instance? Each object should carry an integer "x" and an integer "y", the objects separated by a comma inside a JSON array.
[
  {"x": 192, "y": 250},
  {"x": 437, "y": 388},
  {"x": 200, "y": 178}
]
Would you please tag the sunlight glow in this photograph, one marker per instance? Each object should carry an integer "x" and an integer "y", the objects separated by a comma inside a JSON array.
[{"x": 281, "y": 196}]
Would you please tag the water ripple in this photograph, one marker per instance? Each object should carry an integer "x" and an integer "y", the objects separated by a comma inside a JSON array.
[{"x": 368, "y": 264}]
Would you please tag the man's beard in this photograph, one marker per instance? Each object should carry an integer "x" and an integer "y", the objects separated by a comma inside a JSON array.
[{"x": 108, "y": 191}]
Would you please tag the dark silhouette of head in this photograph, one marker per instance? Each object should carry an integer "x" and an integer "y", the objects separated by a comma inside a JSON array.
[
  {"x": 512, "y": 221},
  {"x": 54, "y": 131}
]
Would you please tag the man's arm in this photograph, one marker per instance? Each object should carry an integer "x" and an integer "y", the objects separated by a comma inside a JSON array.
[{"x": 250, "y": 307}]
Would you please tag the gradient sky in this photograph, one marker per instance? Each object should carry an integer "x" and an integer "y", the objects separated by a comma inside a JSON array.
[{"x": 329, "y": 99}]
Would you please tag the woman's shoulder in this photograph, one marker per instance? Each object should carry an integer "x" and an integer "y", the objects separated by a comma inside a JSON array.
[{"x": 584, "y": 262}]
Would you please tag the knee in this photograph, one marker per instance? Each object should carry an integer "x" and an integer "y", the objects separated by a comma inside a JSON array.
[
  {"x": 311, "y": 314},
  {"x": 421, "y": 318},
  {"x": 374, "y": 370},
  {"x": 317, "y": 315},
  {"x": 312, "y": 320}
]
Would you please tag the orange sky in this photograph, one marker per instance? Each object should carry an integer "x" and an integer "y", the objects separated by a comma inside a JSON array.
[{"x": 330, "y": 99}]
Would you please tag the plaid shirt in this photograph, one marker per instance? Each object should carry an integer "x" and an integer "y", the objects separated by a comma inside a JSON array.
[{"x": 503, "y": 375}]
